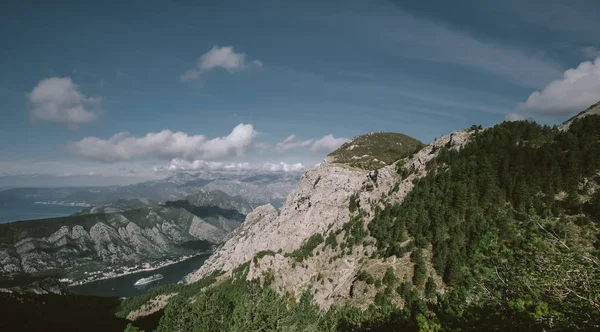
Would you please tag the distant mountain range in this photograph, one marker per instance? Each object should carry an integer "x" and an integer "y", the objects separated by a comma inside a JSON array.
[
  {"x": 256, "y": 188},
  {"x": 107, "y": 237}
]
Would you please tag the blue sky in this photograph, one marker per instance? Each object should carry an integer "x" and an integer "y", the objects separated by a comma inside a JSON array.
[{"x": 73, "y": 75}]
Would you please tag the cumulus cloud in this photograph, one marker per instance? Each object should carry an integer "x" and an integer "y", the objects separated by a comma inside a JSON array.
[
  {"x": 164, "y": 144},
  {"x": 591, "y": 52},
  {"x": 578, "y": 89},
  {"x": 202, "y": 165},
  {"x": 220, "y": 57},
  {"x": 58, "y": 100},
  {"x": 283, "y": 167},
  {"x": 197, "y": 165},
  {"x": 292, "y": 143},
  {"x": 326, "y": 144}
]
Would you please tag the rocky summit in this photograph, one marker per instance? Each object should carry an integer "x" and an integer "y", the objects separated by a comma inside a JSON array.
[{"x": 321, "y": 205}]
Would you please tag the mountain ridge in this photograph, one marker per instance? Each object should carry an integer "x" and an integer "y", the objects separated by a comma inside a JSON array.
[
  {"x": 482, "y": 221},
  {"x": 93, "y": 241}
]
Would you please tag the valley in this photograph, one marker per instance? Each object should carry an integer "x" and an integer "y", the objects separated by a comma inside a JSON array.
[{"x": 117, "y": 238}]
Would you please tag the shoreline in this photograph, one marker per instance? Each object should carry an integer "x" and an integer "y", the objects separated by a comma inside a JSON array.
[{"x": 152, "y": 268}]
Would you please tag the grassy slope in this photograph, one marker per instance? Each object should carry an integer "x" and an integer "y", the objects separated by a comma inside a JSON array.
[{"x": 377, "y": 147}]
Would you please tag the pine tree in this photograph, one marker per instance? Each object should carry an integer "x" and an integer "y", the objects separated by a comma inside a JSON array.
[{"x": 430, "y": 288}]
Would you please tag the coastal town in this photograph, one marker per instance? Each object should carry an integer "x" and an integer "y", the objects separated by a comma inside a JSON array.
[{"x": 122, "y": 271}]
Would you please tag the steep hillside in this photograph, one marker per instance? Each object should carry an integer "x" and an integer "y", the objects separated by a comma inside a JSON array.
[
  {"x": 375, "y": 150},
  {"x": 70, "y": 246},
  {"x": 592, "y": 110},
  {"x": 219, "y": 199},
  {"x": 117, "y": 206},
  {"x": 494, "y": 229}
]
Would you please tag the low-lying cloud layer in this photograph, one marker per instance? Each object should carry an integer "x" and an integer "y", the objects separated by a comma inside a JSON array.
[
  {"x": 165, "y": 145},
  {"x": 202, "y": 165},
  {"x": 578, "y": 89},
  {"x": 323, "y": 145},
  {"x": 58, "y": 100},
  {"x": 220, "y": 57}
]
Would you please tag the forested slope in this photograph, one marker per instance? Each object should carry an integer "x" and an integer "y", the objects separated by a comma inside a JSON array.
[{"x": 500, "y": 235}]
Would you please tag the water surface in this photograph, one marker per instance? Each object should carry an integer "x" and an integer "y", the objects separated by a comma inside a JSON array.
[
  {"x": 123, "y": 286},
  {"x": 23, "y": 210}
]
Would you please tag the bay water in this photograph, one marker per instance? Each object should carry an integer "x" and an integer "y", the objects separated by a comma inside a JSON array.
[{"x": 123, "y": 286}]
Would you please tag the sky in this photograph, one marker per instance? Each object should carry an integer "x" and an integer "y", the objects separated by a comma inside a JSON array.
[{"x": 133, "y": 90}]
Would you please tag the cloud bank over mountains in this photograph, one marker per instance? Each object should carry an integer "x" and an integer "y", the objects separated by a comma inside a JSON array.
[
  {"x": 194, "y": 152},
  {"x": 179, "y": 165},
  {"x": 324, "y": 145},
  {"x": 575, "y": 91},
  {"x": 164, "y": 145}
]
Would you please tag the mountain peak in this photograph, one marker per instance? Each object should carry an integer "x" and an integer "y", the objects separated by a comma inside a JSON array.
[
  {"x": 375, "y": 150},
  {"x": 594, "y": 109}
]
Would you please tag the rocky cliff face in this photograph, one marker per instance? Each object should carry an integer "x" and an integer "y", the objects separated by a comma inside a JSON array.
[
  {"x": 95, "y": 241},
  {"x": 320, "y": 205}
]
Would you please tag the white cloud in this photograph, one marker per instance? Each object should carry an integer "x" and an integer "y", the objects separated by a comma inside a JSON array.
[
  {"x": 58, "y": 100},
  {"x": 164, "y": 144},
  {"x": 201, "y": 165},
  {"x": 283, "y": 167},
  {"x": 326, "y": 144},
  {"x": 220, "y": 57},
  {"x": 514, "y": 117},
  {"x": 578, "y": 89},
  {"x": 292, "y": 143},
  {"x": 197, "y": 165},
  {"x": 591, "y": 52}
]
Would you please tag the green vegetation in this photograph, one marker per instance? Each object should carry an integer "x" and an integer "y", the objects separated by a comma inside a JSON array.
[
  {"x": 131, "y": 328},
  {"x": 240, "y": 305},
  {"x": 317, "y": 181},
  {"x": 262, "y": 254},
  {"x": 50, "y": 312},
  {"x": 331, "y": 240},
  {"x": 370, "y": 150},
  {"x": 307, "y": 248},
  {"x": 510, "y": 223},
  {"x": 354, "y": 232},
  {"x": 363, "y": 275},
  {"x": 420, "y": 271},
  {"x": 430, "y": 288},
  {"x": 354, "y": 203},
  {"x": 182, "y": 290},
  {"x": 499, "y": 234},
  {"x": 389, "y": 278}
]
